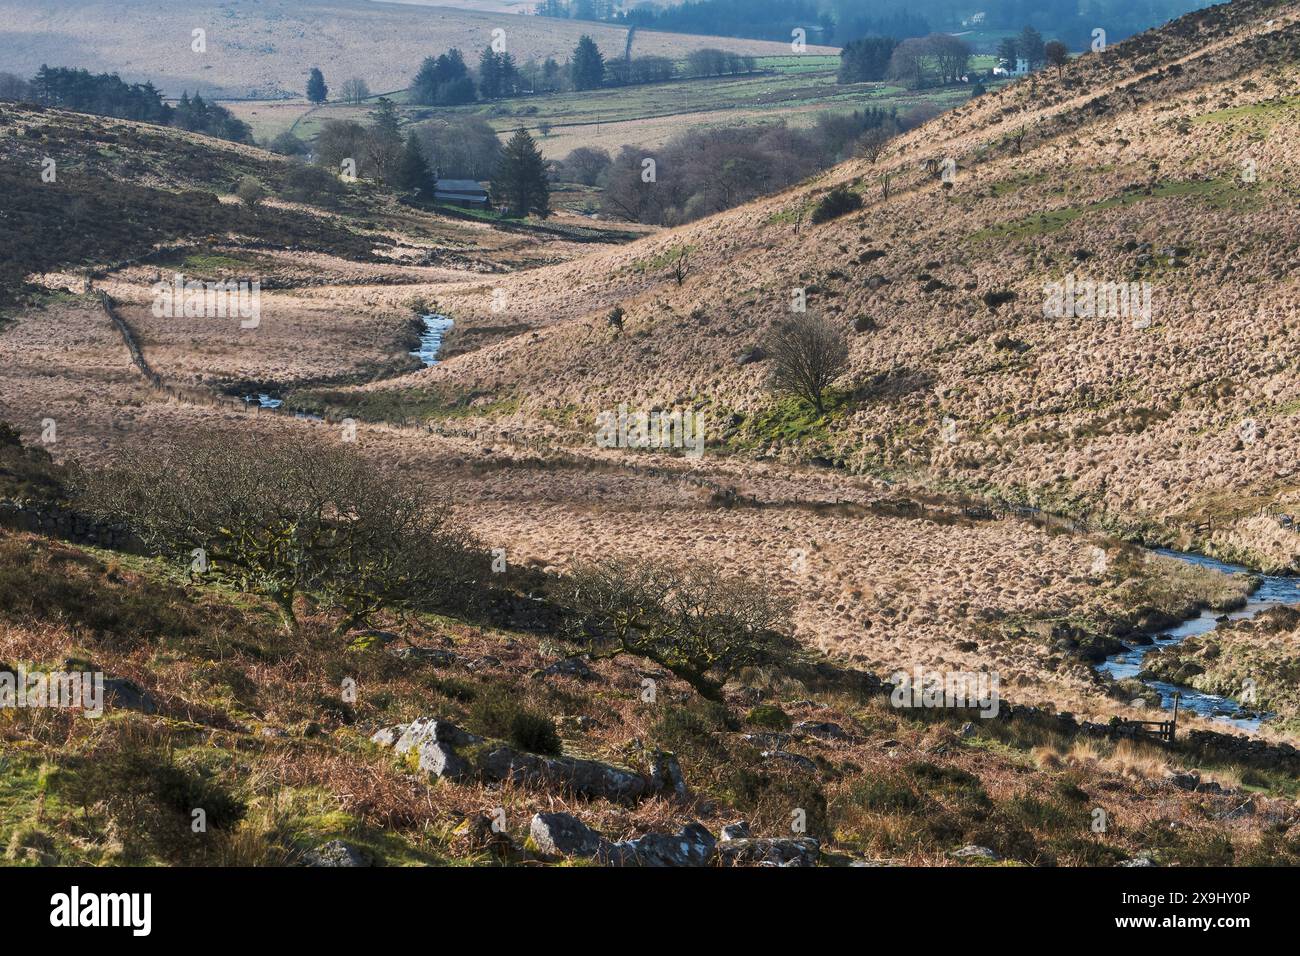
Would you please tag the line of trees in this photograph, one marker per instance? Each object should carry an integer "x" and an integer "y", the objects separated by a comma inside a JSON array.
[
  {"x": 707, "y": 171},
  {"x": 1030, "y": 47},
  {"x": 866, "y": 60},
  {"x": 107, "y": 94},
  {"x": 497, "y": 75},
  {"x": 412, "y": 161},
  {"x": 447, "y": 80},
  {"x": 755, "y": 19},
  {"x": 325, "y": 534},
  {"x": 938, "y": 59},
  {"x": 377, "y": 151},
  {"x": 289, "y": 518},
  {"x": 460, "y": 147},
  {"x": 443, "y": 80}
]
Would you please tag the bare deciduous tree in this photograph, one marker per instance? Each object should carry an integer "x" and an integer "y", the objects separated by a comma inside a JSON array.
[
  {"x": 951, "y": 56},
  {"x": 679, "y": 264},
  {"x": 908, "y": 63},
  {"x": 873, "y": 142},
  {"x": 692, "y": 621},
  {"x": 355, "y": 91},
  {"x": 808, "y": 353},
  {"x": 286, "y": 517}
]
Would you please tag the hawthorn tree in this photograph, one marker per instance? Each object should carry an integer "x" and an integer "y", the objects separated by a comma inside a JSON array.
[
  {"x": 693, "y": 621},
  {"x": 1057, "y": 54},
  {"x": 286, "y": 517},
  {"x": 808, "y": 353}
]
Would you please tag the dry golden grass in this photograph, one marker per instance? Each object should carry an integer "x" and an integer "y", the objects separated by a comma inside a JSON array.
[{"x": 266, "y": 49}]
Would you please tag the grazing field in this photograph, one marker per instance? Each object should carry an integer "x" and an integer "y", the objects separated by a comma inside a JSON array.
[
  {"x": 644, "y": 116},
  {"x": 266, "y": 49}
]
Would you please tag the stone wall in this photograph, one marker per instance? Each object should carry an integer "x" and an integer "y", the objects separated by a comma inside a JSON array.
[{"x": 57, "y": 521}]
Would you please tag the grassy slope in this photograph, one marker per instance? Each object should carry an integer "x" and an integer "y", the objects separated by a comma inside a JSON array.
[
  {"x": 251, "y": 727},
  {"x": 108, "y": 170},
  {"x": 1129, "y": 172}
]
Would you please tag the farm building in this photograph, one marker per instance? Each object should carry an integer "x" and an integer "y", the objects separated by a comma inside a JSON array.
[{"x": 462, "y": 192}]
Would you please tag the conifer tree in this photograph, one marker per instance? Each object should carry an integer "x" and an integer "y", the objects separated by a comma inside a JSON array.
[{"x": 521, "y": 181}]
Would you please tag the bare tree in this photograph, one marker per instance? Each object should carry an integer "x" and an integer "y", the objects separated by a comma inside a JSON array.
[
  {"x": 873, "y": 143},
  {"x": 808, "y": 353},
  {"x": 14, "y": 87},
  {"x": 355, "y": 91},
  {"x": 679, "y": 264},
  {"x": 691, "y": 620},
  {"x": 951, "y": 56},
  {"x": 908, "y": 63},
  {"x": 286, "y": 517}
]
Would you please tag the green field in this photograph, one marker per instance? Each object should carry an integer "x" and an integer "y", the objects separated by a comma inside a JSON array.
[{"x": 794, "y": 88}]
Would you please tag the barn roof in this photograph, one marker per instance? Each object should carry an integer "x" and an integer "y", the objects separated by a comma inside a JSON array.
[{"x": 468, "y": 186}]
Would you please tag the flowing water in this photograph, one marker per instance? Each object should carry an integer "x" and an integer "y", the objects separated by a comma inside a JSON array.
[
  {"x": 435, "y": 327},
  {"x": 1274, "y": 590}
]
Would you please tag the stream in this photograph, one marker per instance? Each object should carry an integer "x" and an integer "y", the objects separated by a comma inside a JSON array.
[
  {"x": 1273, "y": 590},
  {"x": 435, "y": 327}
]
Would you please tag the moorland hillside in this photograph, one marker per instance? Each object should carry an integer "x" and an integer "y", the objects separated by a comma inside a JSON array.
[{"x": 1166, "y": 161}]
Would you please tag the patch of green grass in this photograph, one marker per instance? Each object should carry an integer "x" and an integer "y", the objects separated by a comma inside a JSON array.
[
  {"x": 786, "y": 217},
  {"x": 789, "y": 420},
  {"x": 30, "y": 812},
  {"x": 768, "y": 716},
  {"x": 1269, "y": 110},
  {"x": 662, "y": 261},
  {"x": 214, "y": 264},
  {"x": 1219, "y": 193},
  {"x": 800, "y": 63},
  {"x": 1015, "y": 183}
]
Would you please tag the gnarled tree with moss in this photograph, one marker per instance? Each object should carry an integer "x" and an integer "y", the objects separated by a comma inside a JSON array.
[
  {"x": 289, "y": 516},
  {"x": 695, "y": 622}
]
